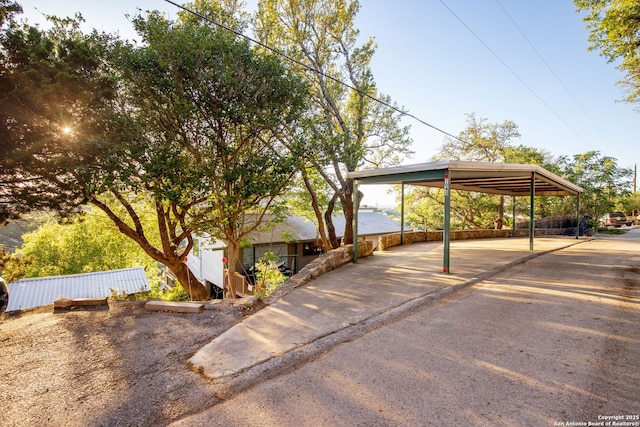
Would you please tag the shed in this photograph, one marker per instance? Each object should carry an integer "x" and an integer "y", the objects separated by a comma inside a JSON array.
[
  {"x": 484, "y": 177},
  {"x": 39, "y": 291}
]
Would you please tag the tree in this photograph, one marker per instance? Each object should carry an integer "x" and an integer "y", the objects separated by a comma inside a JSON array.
[
  {"x": 8, "y": 9},
  {"x": 479, "y": 141},
  {"x": 482, "y": 141},
  {"x": 614, "y": 27},
  {"x": 84, "y": 244},
  {"x": 348, "y": 129},
  {"x": 48, "y": 81},
  {"x": 217, "y": 110},
  {"x": 189, "y": 120},
  {"x": 603, "y": 181}
]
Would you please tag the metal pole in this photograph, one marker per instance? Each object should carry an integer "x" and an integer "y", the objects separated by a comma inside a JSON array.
[
  {"x": 532, "y": 195},
  {"x": 578, "y": 216},
  {"x": 513, "y": 226},
  {"x": 447, "y": 222},
  {"x": 356, "y": 202},
  {"x": 402, "y": 214}
]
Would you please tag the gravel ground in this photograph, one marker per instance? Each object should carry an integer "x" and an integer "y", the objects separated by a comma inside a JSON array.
[{"x": 121, "y": 366}]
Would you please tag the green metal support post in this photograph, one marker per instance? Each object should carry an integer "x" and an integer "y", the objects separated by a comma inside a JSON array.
[
  {"x": 532, "y": 196},
  {"x": 402, "y": 214},
  {"x": 578, "y": 216},
  {"x": 356, "y": 204},
  {"x": 513, "y": 226},
  {"x": 447, "y": 221}
]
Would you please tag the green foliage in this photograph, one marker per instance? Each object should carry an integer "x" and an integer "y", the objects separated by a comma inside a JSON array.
[
  {"x": 8, "y": 8},
  {"x": 85, "y": 244},
  {"x": 55, "y": 108},
  {"x": 177, "y": 293},
  {"x": 192, "y": 120},
  {"x": 268, "y": 276},
  {"x": 603, "y": 181},
  {"x": 616, "y": 231},
  {"x": 13, "y": 267},
  {"x": 219, "y": 109},
  {"x": 629, "y": 203},
  {"x": 481, "y": 141},
  {"x": 614, "y": 26},
  {"x": 348, "y": 128},
  {"x": 606, "y": 185}
]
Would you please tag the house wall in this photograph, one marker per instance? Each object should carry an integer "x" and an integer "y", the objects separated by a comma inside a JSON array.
[{"x": 205, "y": 262}]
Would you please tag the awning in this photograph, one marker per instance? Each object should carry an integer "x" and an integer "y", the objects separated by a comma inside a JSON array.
[{"x": 482, "y": 177}]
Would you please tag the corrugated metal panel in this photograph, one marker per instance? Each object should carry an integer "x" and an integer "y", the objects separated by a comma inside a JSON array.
[{"x": 36, "y": 292}]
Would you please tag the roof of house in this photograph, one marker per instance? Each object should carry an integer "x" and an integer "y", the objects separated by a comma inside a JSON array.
[
  {"x": 36, "y": 292},
  {"x": 297, "y": 229}
]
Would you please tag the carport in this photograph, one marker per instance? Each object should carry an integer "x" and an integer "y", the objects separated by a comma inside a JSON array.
[{"x": 482, "y": 177}]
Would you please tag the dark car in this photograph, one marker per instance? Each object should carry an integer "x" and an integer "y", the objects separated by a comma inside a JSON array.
[
  {"x": 613, "y": 219},
  {"x": 4, "y": 295}
]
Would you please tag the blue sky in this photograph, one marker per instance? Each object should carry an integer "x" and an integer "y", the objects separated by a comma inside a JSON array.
[{"x": 430, "y": 63}]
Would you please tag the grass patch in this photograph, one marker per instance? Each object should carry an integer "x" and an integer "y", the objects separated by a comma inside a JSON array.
[{"x": 612, "y": 231}]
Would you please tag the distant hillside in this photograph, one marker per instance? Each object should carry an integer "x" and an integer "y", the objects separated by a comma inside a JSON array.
[{"x": 11, "y": 234}]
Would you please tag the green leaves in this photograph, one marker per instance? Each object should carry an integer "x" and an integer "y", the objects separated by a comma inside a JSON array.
[{"x": 614, "y": 27}]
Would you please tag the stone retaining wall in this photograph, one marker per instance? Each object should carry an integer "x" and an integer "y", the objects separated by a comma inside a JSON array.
[
  {"x": 391, "y": 240},
  {"x": 321, "y": 265}
]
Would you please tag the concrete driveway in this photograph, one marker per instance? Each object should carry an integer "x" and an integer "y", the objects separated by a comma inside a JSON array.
[{"x": 551, "y": 341}]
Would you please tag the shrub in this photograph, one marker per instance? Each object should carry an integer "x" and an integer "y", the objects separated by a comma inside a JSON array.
[{"x": 268, "y": 275}]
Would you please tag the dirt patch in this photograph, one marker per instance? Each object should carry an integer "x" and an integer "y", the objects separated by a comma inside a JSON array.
[{"x": 106, "y": 367}]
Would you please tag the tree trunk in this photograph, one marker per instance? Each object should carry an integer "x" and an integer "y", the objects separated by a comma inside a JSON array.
[
  {"x": 232, "y": 259},
  {"x": 316, "y": 210},
  {"x": 500, "y": 221},
  {"x": 196, "y": 290},
  {"x": 331, "y": 229},
  {"x": 347, "y": 208}
]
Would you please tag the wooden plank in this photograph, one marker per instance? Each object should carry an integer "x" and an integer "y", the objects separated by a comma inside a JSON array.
[
  {"x": 86, "y": 302},
  {"x": 69, "y": 303},
  {"x": 176, "y": 307},
  {"x": 62, "y": 303}
]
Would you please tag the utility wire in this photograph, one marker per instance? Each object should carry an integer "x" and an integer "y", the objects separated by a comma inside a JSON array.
[
  {"x": 548, "y": 66},
  {"x": 513, "y": 72},
  {"x": 310, "y": 68}
]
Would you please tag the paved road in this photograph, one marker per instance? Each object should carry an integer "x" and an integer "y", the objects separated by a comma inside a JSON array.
[{"x": 555, "y": 340}]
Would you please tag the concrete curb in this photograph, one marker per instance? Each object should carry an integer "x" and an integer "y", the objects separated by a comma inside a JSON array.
[{"x": 277, "y": 365}]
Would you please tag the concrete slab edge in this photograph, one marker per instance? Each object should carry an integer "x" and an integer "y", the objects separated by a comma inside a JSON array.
[{"x": 280, "y": 364}]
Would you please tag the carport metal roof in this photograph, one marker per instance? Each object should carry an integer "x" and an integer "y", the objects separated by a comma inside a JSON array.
[{"x": 483, "y": 177}]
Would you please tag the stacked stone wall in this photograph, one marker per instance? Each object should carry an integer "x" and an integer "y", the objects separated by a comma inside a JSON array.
[
  {"x": 390, "y": 240},
  {"x": 321, "y": 265}
]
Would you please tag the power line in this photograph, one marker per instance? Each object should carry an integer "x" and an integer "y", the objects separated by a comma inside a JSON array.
[
  {"x": 310, "y": 68},
  {"x": 547, "y": 65},
  {"x": 513, "y": 72}
]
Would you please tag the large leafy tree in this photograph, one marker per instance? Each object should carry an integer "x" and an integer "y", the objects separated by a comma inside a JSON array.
[
  {"x": 603, "y": 181},
  {"x": 348, "y": 129},
  {"x": 482, "y": 141},
  {"x": 614, "y": 27},
  {"x": 217, "y": 111},
  {"x": 190, "y": 119},
  {"x": 49, "y": 81},
  {"x": 84, "y": 244}
]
